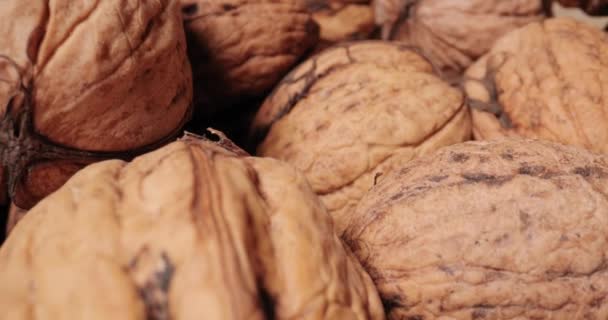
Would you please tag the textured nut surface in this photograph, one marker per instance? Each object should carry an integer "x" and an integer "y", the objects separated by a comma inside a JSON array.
[
  {"x": 342, "y": 116},
  {"x": 190, "y": 231},
  {"x": 546, "y": 80},
  {"x": 104, "y": 75},
  {"x": 242, "y": 48},
  {"x": 342, "y": 20},
  {"x": 510, "y": 229},
  {"x": 453, "y": 34}
]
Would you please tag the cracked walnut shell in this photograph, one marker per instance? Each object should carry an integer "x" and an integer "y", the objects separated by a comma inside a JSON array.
[
  {"x": 241, "y": 48},
  {"x": 193, "y": 230},
  {"x": 546, "y": 80},
  {"x": 357, "y": 110},
  {"x": 453, "y": 34},
  {"x": 509, "y": 229},
  {"x": 86, "y": 81}
]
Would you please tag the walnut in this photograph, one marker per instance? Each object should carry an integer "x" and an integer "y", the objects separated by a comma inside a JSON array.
[
  {"x": 453, "y": 34},
  {"x": 194, "y": 230},
  {"x": 241, "y": 48},
  {"x": 510, "y": 229},
  {"x": 546, "y": 80},
  {"x": 347, "y": 114},
  {"x": 86, "y": 81}
]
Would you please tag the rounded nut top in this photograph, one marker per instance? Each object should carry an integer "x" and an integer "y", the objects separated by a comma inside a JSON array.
[{"x": 357, "y": 110}]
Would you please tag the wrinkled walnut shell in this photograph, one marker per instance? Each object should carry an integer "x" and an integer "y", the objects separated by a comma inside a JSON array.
[
  {"x": 110, "y": 78},
  {"x": 343, "y": 116},
  {"x": 510, "y": 229},
  {"x": 190, "y": 231},
  {"x": 547, "y": 80},
  {"x": 242, "y": 48},
  {"x": 453, "y": 34}
]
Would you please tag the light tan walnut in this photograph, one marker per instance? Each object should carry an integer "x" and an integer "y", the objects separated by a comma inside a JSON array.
[
  {"x": 356, "y": 111},
  {"x": 509, "y": 229},
  {"x": 194, "y": 230},
  {"x": 546, "y": 80}
]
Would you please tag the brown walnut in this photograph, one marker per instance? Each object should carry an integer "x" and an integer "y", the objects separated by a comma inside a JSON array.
[
  {"x": 194, "y": 230},
  {"x": 510, "y": 229},
  {"x": 241, "y": 48},
  {"x": 453, "y": 34},
  {"x": 85, "y": 81},
  {"x": 344, "y": 116},
  {"x": 546, "y": 80}
]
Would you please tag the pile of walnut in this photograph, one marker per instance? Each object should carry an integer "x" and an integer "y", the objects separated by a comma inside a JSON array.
[{"x": 304, "y": 159}]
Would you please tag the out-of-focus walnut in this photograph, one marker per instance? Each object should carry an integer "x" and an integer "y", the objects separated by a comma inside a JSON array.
[
  {"x": 558, "y": 10},
  {"x": 592, "y": 7},
  {"x": 86, "y": 81},
  {"x": 342, "y": 20},
  {"x": 511, "y": 229},
  {"x": 354, "y": 112},
  {"x": 546, "y": 80},
  {"x": 194, "y": 230},
  {"x": 241, "y": 48},
  {"x": 453, "y": 34}
]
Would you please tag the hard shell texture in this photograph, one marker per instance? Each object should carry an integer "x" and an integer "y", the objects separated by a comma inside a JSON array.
[
  {"x": 344, "y": 115},
  {"x": 190, "y": 231},
  {"x": 547, "y": 80},
  {"x": 503, "y": 229},
  {"x": 242, "y": 48},
  {"x": 453, "y": 34}
]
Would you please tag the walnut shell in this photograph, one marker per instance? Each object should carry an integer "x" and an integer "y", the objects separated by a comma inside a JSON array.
[
  {"x": 190, "y": 231},
  {"x": 342, "y": 20},
  {"x": 453, "y": 34},
  {"x": 108, "y": 77},
  {"x": 546, "y": 80},
  {"x": 511, "y": 229},
  {"x": 344, "y": 115},
  {"x": 242, "y": 48},
  {"x": 592, "y": 7}
]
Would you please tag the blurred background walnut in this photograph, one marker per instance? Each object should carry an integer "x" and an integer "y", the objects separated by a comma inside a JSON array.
[
  {"x": 342, "y": 20},
  {"x": 546, "y": 80},
  {"x": 592, "y": 7},
  {"x": 86, "y": 81},
  {"x": 356, "y": 111},
  {"x": 452, "y": 33}
]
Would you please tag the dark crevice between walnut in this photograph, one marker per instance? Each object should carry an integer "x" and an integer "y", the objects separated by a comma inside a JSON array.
[{"x": 493, "y": 106}]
